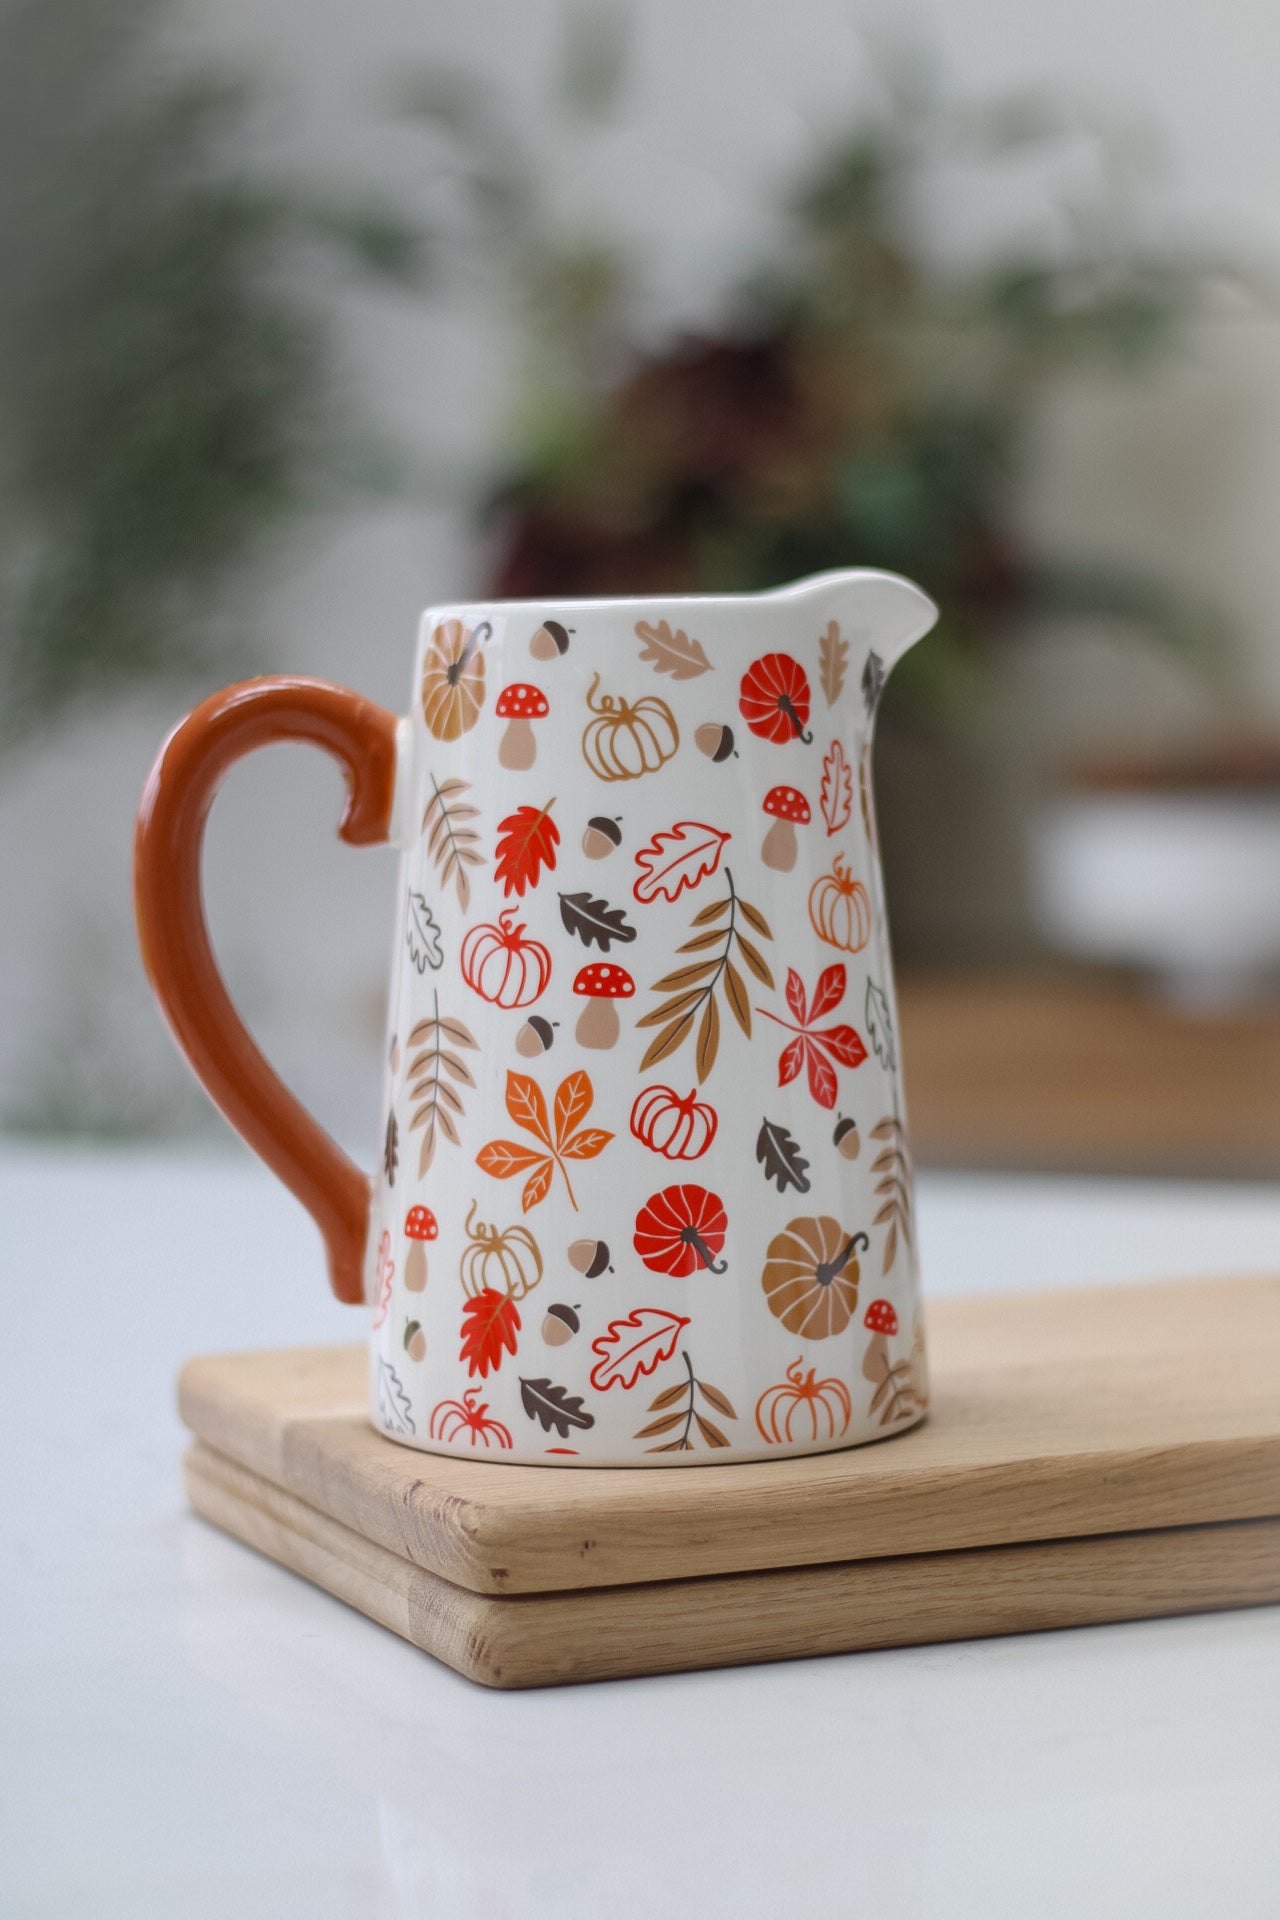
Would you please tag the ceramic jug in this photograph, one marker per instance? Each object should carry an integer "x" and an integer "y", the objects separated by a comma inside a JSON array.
[{"x": 644, "y": 1190}]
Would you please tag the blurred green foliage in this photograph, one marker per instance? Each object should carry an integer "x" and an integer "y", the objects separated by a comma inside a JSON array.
[
  {"x": 168, "y": 400},
  {"x": 865, "y": 399}
]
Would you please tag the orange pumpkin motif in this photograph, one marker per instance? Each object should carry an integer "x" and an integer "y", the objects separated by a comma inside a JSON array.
[
  {"x": 811, "y": 1274},
  {"x": 502, "y": 966},
  {"x": 840, "y": 910},
  {"x": 468, "y": 1419},
  {"x": 677, "y": 1129},
  {"x": 803, "y": 1408},
  {"x": 453, "y": 679}
]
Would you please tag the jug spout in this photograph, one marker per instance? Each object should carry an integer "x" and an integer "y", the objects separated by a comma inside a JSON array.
[{"x": 882, "y": 612}]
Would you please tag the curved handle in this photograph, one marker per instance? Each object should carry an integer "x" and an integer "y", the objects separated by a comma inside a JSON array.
[{"x": 169, "y": 902}]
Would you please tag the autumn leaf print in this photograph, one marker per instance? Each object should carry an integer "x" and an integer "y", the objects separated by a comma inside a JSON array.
[
  {"x": 896, "y": 1186},
  {"x": 814, "y": 1048},
  {"x": 681, "y": 1416},
  {"x": 452, "y": 843},
  {"x": 691, "y": 1008},
  {"x": 490, "y": 1323},
  {"x": 560, "y": 1137},
  {"x": 435, "y": 1074},
  {"x": 833, "y": 662},
  {"x": 779, "y": 1154},
  {"x": 594, "y": 921},
  {"x": 527, "y": 842},
  {"x": 678, "y": 860},
  {"x": 837, "y": 788},
  {"x": 671, "y": 652},
  {"x": 879, "y": 1026},
  {"x": 554, "y": 1408},
  {"x": 635, "y": 1346}
]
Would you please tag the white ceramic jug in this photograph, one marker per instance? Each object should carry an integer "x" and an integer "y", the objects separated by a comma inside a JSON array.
[{"x": 645, "y": 1188}]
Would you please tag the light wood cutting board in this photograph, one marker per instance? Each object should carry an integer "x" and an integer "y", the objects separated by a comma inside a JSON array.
[
  {"x": 1055, "y": 1417},
  {"x": 671, "y": 1626}
]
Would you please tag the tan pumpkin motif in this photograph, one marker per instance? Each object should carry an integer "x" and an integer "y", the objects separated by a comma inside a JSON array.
[
  {"x": 810, "y": 1276},
  {"x": 840, "y": 910},
  {"x": 506, "y": 1262},
  {"x": 625, "y": 739},
  {"x": 453, "y": 679},
  {"x": 501, "y": 965},
  {"x": 803, "y": 1408},
  {"x": 677, "y": 1129}
]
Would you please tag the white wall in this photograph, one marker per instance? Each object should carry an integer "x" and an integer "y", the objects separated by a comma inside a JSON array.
[{"x": 1182, "y": 473}]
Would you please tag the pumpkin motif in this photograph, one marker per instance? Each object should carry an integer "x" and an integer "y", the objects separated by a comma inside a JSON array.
[
  {"x": 468, "y": 1418},
  {"x": 810, "y": 1276},
  {"x": 840, "y": 909},
  {"x": 681, "y": 1229},
  {"x": 677, "y": 1129},
  {"x": 502, "y": 966},
  {"x": 803, "y": 1408},
  {"x": 453, "y": 679},
  {"x": 773, "y": 698},
  {"x": 624, "y": 739},
  {"x": 508, "y": 1262}
]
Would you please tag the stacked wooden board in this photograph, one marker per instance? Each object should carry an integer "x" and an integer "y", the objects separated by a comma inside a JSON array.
[{"x": 1092, "y": 1455}]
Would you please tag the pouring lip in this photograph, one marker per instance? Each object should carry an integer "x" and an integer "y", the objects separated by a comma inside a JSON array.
[{"x": 810, "y": 584}]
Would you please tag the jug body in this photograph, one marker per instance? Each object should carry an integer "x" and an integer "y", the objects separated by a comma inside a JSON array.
[{"x": 645, "y": 1195}]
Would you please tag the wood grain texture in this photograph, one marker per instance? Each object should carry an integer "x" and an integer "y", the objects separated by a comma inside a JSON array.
[
  {"x": 609, "y": 1633},
  {"x": 1088, "y": 1072},
  {"x": 1099, "y": 1410}
]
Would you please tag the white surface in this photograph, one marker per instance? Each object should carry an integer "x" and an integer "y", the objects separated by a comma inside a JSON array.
[{"x": 189, "y": 1730}]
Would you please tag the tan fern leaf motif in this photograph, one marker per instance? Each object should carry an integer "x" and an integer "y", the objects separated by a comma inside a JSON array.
[
  {"x": 435, "y": 1074},
  {"x": 896, "y": 1183},
  {"x": 452, "y": 843},
  {"x": 681, "y": 1416},
  {"x": 691, "y": 1008}
]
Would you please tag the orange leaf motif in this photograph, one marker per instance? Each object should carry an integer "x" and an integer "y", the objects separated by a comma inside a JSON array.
[
  {"x": 527, "y": 1105},
  {"x": 837, "y": 788},
  {"x": 527, "y": 842},
  {"x": 635, "y": 1346},
  {"x": 490, "y": 1323},
  {"x": 678, "y": 859}
]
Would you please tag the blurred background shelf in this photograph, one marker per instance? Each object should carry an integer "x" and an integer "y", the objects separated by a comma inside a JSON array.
[{"x": 1088, "y": 1074}]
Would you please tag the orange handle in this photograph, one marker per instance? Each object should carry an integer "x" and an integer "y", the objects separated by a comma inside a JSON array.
[{"x": 175, "y": 940}]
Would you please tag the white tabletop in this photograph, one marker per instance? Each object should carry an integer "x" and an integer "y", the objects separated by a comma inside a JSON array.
[{"x": 188, "y": 1730}]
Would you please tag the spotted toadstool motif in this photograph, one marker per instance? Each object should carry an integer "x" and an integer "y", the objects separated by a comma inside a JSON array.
[
  {"x": 601, "y": 984},
  {"x": 519, "y": 705},
  {"x": 788, "y": 809}
]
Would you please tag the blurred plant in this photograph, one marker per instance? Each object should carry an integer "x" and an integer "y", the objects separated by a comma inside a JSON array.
[
  {"x": 167, "y": 396},
  {"x": 863, "y": 401}
]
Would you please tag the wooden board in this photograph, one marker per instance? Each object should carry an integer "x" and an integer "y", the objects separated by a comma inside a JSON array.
[
  {"x": 734, "y": 1619},
  {"x": 1055, "y": 1415},
  {"x": 1088, "y": 1071}
]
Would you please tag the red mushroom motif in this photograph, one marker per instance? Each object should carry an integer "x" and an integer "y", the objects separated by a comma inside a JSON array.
[
  {"x": 881, "y": 1318},
  {"x": 788, "y": 809},
  {"x": 518, "y": 704},
  {"x": 601, "y": 984},
  {"x": 420, "y": 1226}
]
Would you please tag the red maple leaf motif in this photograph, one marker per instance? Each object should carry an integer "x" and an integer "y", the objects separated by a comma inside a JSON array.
[{"x": 810, "y": 1048}]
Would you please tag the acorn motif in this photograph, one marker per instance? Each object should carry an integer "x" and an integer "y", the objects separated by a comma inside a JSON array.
[
  {"x": 415, "y": 1341},
  {"x": 560, "y": 1323},
  {"x": 589, "y": 1258},
  {"x": 847, "y": 1138},
  {"x": 714, "y": 740},
  {"x": 535, "y": 1037},
  {"x": 601, "y": 838},
  {"x": 550, "y": 641}
]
